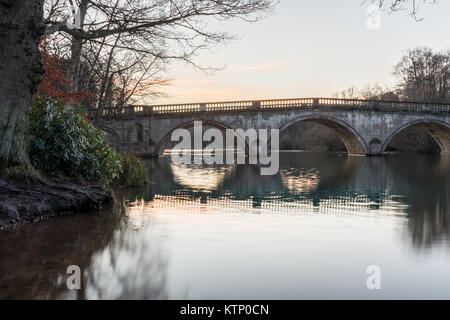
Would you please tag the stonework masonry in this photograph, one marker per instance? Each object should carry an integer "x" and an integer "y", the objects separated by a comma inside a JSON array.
[{"x": 366, "y": 127}]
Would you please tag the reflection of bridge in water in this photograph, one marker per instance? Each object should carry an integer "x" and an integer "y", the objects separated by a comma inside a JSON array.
[
  {"x": 313, "y": 183},
  {"x": 307, "y": 183}
]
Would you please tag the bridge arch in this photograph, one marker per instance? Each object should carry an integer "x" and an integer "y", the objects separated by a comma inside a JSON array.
[
  {"x": 352, "y": 140},
  {"x": 159, "y": 149},
  {"x": 438, "y": 130},
  {"x": 111, "y": 136}
]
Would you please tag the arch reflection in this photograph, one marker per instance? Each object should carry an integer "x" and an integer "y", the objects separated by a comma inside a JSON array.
[
  {"x": 200, "y": 177},
  {"x": 129, "y": 251},
  {"x": 300, "y": 180}
]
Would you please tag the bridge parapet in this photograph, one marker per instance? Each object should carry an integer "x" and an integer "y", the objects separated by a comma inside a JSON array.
[{"x": 270, "y": 105}]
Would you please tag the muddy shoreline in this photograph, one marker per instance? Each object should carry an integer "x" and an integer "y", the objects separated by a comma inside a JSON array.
[{"x": 23, "y": 202}]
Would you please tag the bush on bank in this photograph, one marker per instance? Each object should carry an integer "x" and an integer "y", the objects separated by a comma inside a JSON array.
[
  {"x": 134, "y": 171},
  {"x": 64, "y": 143}
]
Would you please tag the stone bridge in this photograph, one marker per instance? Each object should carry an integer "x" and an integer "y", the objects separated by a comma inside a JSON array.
[{"x": 365, "y": 126}]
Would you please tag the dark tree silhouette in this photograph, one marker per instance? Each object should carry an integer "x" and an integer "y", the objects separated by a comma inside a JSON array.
[
  {"x": 163, "y": 29},
  {"x": 21, "y": 27}
]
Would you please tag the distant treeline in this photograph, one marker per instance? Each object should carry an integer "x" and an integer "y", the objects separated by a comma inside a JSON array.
[{"x": 422, "y": 75}]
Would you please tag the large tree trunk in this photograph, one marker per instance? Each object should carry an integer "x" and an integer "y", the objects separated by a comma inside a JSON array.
[
  {"x": 76, "y": 49},
  {"x": 20, "y": 73},
  {"x": 75, "y": 63}
]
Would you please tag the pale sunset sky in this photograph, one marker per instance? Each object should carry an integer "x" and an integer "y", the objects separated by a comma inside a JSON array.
[{"x": 308, "y": 49}]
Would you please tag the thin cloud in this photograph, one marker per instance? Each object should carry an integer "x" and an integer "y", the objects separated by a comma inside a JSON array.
[
  {"x": 266, "y": 66},
  {"x": 193, "y": 82},
  {"x": 184, "y": 95}
]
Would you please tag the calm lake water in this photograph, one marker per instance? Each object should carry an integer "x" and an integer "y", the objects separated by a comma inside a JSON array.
[{"x": 225, "y": 232}]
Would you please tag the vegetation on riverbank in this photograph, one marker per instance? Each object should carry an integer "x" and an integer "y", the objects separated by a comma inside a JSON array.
[
  {"x": 64, "y": 143},
  {"x": 69, "y": 159},
  {"x": 134, "y": 172}
]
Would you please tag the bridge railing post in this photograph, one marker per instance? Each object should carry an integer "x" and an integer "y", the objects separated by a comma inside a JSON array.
[
  {"x": 256, "y": 105},
  {"x": 315, "y": 102},
  {"x": 148, "y": 110},
  {"x": 203, "y": 107}
]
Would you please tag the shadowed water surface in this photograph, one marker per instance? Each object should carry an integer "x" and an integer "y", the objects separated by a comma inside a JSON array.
[{"x": 206, "y": 232}]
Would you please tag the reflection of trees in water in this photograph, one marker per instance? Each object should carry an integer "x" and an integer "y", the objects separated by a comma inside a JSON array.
[
  {"x": 123, "y": 263},
  {"x": 116, "y": 260},
  {"x": 38, "y": 254},
  {"x": 131, "y": 266},
  {"x": 431, "y": 224},
  {"x": 425, "y": 181}
]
